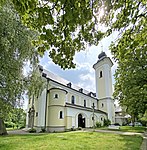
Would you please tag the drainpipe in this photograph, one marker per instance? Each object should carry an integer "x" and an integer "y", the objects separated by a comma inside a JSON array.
[
  {"x": 93, "y": 115},
  {"x": 46, "y": 103}
]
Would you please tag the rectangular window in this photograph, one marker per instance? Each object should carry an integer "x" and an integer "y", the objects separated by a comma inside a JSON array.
[
  {"x": 36, "y": 114},
  {"x": 101, "y": 74},
  {"x": 84, "y": 103},
  {"x": 61, "y": 114}
]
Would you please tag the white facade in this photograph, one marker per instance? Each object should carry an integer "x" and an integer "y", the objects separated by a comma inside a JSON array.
[
  {"x": 64, "y": 106},
  {"x": 104, "y": 90}
]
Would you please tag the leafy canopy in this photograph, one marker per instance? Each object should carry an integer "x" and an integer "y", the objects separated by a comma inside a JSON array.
[
  {"x": 65, "y": 26},
  {"x": 15, "y": 49},
  {"x": 130, "y": 51}
]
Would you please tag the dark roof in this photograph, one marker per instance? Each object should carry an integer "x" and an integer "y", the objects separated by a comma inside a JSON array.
[
  {"x": 56, "y": 78},
  {"x": 101, "y": 55}
]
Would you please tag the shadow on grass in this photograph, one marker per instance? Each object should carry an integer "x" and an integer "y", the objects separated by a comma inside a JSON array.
[
  {"x": 70, "y": 141},
  {"x": 131, "y": 141}
]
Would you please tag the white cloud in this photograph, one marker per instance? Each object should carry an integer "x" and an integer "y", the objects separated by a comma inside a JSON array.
[{"x": 84, "y": 74}]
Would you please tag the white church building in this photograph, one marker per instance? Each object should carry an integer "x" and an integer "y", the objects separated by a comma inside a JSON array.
[{"x": 63, "y": 105}]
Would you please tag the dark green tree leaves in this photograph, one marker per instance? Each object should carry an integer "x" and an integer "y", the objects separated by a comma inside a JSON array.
[
  {"x": 130, "y": 52},
  {"x": 15, "y": 49},
  {"x": 64, "y": 26}
]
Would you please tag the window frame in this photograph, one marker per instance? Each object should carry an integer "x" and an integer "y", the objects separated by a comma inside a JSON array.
[
  {"x": 101, "y": 74},
  {"x": 56, "y": 96},
  {"x": 60, "y": 114},
  {"x": 73, "y": 99},
  {"x": 84, "y": 102}
]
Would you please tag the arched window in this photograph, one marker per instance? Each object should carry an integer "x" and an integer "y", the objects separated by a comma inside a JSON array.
[
  {"x": 56, "y": 96},
  {"x": 101, "y": 74},
  {"x": 102, "y": 105},
  {"x": 73, "y": 100},
  {"x": 84, "y": 103},
  {"x": 61, "y": 114}
]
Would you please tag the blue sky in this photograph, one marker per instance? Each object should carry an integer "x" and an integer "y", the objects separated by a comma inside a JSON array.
[{"x": 83, "y": 75}]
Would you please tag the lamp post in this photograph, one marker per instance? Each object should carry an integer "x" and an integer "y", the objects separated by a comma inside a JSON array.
[{"x": 93, "y": 114}]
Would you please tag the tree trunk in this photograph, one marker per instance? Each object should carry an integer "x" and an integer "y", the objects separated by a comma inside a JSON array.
[
  {"x": 2, "y": 128},
  {"x": 133, "y": 120}
]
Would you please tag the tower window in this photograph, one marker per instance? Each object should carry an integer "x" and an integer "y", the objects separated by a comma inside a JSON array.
[
  {"x": 56, "y": 96},
  {"x": 84, "y": 103},
  {"x": 101, "y": 74},
  {"x": 61, "y": 114},
  {"x": 36, "y": 114},
  {"x": 102, "y": 105},
  {"x": 73, "y": 100}
]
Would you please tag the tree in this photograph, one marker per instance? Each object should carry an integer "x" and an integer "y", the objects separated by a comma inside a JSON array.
[
  {"x": 130, "y": 52},
  {"x": 35, "y": 85},
  {"x": 65, "y": 26},
  {"x": 15, "y": 49},
  {"x": 16, "y": 118}
]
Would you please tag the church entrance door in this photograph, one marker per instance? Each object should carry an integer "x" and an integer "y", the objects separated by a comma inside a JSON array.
[{"x": 81, "y": 121}]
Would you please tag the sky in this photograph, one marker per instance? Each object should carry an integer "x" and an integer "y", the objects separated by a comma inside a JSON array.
[{"x": 83, "y": 75}]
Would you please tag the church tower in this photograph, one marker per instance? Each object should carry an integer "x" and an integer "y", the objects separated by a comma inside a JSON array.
[{"x": 103, "y": 80}]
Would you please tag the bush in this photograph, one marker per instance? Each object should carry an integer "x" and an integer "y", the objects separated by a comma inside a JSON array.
[
  {"x": 9, "y": 124},
  {"x": 32, "y": 130},
  {"x": 107, "y": 122},
  {"x": 98, "y": 124},
  {"x": 79, "y": 128},
  {"x": 116, "y": 124},
  {"x": 43, "y": 130}
]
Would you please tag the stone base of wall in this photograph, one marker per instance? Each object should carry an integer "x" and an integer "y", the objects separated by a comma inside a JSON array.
[
  {"x": 55, "y": 129},
  {"x": 50, "y": 129}
]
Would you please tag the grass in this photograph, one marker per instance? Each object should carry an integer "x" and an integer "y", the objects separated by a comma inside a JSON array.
[
  {"x": 132, "y": 129},
  {"x": 126, "y": 129},
  {"x": 70, "y": 141}
]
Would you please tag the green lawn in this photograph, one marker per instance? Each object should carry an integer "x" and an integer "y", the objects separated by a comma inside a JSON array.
[
  {"x": 70, "y": 141},
  {"x": 132, "y": 129},
  {"x": 126, "y": 129}
]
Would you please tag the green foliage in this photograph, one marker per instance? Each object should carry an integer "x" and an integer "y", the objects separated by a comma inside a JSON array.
[
  {"x": 9, "y": 124},
  {"x": 116, "y": 124},
  {"x": 98, "y": 124},
  {"x": 35, "y": 83},
  {"x": 65, "y": 26},
  {"x": 32, "y": 130},
  {"x": 16, "y": 118},
  {"x": 143, "y": 119},
  {"x": 130, "y": 52},
  {"x": 107, "y": 122},
  {"x": 15, "y": 50},
  {"x": 79, "y": 128},
  {"x": 43, "y": 130}
]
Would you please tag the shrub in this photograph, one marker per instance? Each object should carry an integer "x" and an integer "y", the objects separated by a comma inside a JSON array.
[
  {"x": 73, "y": 129},
  {"x": 32, "y": 130},
  {"x": 98, "y": 124},
  {"x": 116, "y": 124},
  {"x": 43, "y": 130},
  {"x": 107, "y": 122},
  {"x": 9, "y": 124},
  {"x": 79, "y": 128}
]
